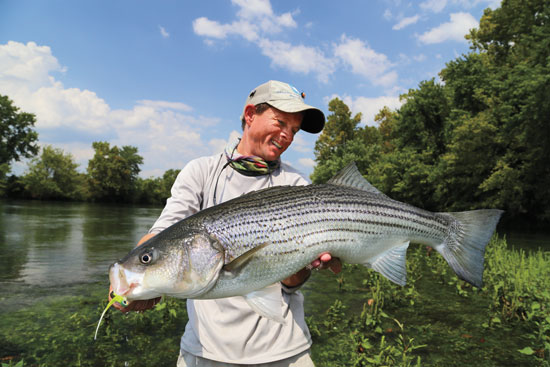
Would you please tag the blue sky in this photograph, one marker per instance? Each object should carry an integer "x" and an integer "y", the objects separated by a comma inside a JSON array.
[{"x": 171, "y": 77}]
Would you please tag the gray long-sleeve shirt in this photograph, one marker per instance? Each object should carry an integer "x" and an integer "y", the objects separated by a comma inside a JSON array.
[{"x": 227, "y": 329}]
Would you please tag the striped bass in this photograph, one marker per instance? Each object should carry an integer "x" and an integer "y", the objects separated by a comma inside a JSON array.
[{"x": 245, "y": 246}]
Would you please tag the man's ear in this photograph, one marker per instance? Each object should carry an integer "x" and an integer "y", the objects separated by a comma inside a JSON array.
[{"x": 249, "y": 113}]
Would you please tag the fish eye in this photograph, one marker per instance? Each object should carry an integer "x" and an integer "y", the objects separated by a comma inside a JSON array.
[{"x": 146, "y": 257}]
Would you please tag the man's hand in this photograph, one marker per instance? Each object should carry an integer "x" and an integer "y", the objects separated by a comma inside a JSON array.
[
  {"x": 324, "y": 261},
  {"x": 136, "y": 306}
]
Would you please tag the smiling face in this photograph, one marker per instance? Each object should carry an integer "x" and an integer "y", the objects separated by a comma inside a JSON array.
[{"x": 268, "y": 134}]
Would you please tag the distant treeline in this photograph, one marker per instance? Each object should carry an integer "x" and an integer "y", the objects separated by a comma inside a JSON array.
[
  {"x": 111, "y": 176},
  {"x": 478, "y": 139}
]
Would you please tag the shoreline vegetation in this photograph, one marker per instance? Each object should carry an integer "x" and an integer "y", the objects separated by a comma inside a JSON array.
[{"x": 436, "y": 320}]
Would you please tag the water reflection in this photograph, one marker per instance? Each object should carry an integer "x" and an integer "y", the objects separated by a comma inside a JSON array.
[
  {"x": 47, "y": 244},
  {"x": 110, "y": 231}
]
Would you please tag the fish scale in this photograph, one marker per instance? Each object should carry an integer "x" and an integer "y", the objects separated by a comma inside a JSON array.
[
  {"x": 242, "y": 246},
  {"x": 347, "y": 222}
]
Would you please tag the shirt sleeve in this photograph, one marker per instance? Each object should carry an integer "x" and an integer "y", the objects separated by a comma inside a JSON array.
[{"x": 186, "y": 197}]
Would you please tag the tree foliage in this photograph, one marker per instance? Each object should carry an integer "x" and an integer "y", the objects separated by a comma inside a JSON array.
[
  {"x": 17, "y": 137},
  {"x": 54, "y": 175},
  {"x": 112, "y": 172},
  {"x": 342, "y": 142},
  {"x": 156, "y": 190},
  {"x": 479, "y": 139}
]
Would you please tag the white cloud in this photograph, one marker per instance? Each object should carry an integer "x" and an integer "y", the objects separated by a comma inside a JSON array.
[
  {"x": 307, "y": 163},
  {"x": 209, "y": 28},
  {"x": 26, "y": 76},
  {"x": 406, "y": 22},
  {"x": 218, "y": 145},
  {"x": 166, "y": 133},
  {"x": 260, "y": 12},
  {"x": 301, "y": 145},
  {"x": 164, "y": 104},
  {"x": 254, "y": 18},
  {"x": 26, "y": 66},
  {"x": 299, "y": 59},
  {"x": 468, "y": 4},
  {"x": 435, "y": 6},
  {"x": 253, "y": 8},
  {"x": 455, "y": 30},
  {"x": 213, "y": 29},
  {"x": 163, "y": 32},
  {"x": 365, "y": 61},
  {"x": 256, "y": 22},
  {"x": 368, "y": 107}
]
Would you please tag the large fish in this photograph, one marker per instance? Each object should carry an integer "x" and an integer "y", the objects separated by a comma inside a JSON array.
[{"x": 241, "y": 247}]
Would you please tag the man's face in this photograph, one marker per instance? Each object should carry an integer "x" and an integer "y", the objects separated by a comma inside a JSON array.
[{"x": 271, "y": 132}]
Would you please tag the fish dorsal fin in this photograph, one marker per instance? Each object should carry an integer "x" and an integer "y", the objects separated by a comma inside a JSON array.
[
  {"x": 237, "y": 263},
  {"x": 351, "y": 177}
]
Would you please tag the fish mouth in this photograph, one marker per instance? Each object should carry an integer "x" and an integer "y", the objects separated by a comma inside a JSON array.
[{"x": 122, "y": 280}]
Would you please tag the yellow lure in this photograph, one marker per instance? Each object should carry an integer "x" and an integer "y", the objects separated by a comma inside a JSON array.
[{"x": 114, "y": 298}]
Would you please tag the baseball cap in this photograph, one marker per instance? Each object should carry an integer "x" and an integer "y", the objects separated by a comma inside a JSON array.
[{"x": 287, "y": 98}]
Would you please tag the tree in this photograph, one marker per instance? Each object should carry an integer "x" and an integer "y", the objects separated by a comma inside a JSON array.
[
  {"x": 17, "y": 137},
  {"x": 341, "y": 142},
  {"x": 515, "y": 42},
  {"x": 168, "y": 179},
  {"x": 156, "y": 190},
  {"x": 113, "y": 172},
  {"x": 53, "y": 175},
  {"x": 420, "y": 123}
]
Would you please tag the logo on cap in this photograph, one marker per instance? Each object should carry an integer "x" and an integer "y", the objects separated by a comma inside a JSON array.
[{"x": 294, "y": 89}]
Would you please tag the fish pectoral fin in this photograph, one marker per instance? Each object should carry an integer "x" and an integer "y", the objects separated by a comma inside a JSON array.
[
  {"x": 238, "y": 262},
  {"x": 392, "y": 264},
  {"x": 267, "y": 302}
]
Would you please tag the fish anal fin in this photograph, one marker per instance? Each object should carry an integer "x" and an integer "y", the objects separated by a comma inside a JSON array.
[
  {"x": 238, "y": 262},
  {"x": 350, "y": 176},
  {"x": 267, "y": 302},
  {"x": 392, "y": 264}
]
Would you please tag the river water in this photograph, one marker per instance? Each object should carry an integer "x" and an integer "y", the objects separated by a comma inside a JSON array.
[{"x": 56, "y": 248}]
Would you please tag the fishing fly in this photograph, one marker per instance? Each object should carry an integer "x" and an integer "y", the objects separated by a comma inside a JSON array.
[{"x": 114, "y": 298}]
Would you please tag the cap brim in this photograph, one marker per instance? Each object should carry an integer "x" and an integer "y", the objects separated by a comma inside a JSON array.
[{"x": 314, "y": 118}]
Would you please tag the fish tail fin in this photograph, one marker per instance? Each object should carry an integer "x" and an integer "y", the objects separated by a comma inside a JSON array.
[{"x": 467, "y": 237}]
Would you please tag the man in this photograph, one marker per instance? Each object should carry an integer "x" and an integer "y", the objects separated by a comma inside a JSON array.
[{"x": 227, "y": 332}]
